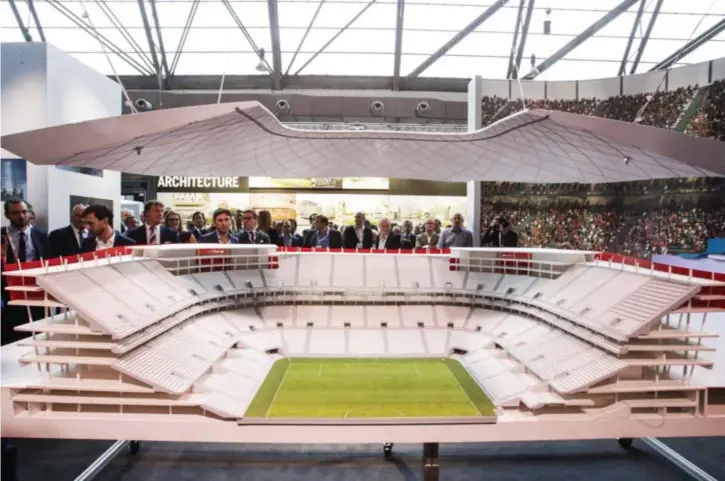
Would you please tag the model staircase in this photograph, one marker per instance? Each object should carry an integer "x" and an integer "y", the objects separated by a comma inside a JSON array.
[
  {"x": 424, "y": 341},
  {"x": 347, "y": 341}
]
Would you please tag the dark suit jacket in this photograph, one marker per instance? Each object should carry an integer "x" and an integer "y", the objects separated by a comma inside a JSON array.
[
  {"x": 491, "y": 238},
  {"x": 335, "y": 239},
  {"x": 407, "y": 241},
  {"x": 259, "y": 237},
  {"x": 350, "y": 240},
  {"x": 295, "y": 241},
  {"x": 168, "y": 236},
  {"x": 89, "y": 244},
  {"x": 213, "y": 238},
  {"x": 63, "y": 242},
  {"x": 198, "y": 232},
  {"x": 392, "y": 242},
  {"x": 41, "y": 245},
  {"x": 16, "y": 315}
]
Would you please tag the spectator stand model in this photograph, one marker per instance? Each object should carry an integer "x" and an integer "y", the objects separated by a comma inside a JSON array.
[{"x": 563, "y": 344}]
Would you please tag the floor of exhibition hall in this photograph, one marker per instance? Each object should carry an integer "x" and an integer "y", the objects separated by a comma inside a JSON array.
[{"x": 601, "y": 460}]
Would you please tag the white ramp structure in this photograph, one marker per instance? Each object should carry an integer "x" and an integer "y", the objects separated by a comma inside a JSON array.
[{"x": 175, "y": 341}]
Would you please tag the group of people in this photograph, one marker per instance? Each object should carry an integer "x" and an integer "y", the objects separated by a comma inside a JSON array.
[{"x": 659, "y": 109}]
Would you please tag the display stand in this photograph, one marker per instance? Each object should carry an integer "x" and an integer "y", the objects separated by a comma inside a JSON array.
[{"x": 430, "y": 458}]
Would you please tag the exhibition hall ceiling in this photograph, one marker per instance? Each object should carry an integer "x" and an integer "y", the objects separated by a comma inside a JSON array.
[{"x": 360, "y": 38}]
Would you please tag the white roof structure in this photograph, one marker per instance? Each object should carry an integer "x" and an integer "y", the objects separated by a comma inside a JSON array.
[{"x": 245, "y": 139}]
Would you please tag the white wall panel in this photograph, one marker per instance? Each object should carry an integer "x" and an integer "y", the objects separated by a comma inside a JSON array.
[
  {"x": 42, "y": 87},
  {"x": 643, "y": 83},
  {"x": 533, "y": 89},
  {"x": 689, "y": 75},
  {"x": 599, "y": 88},
  {"x": 499, "y": 88},
  {"x": 718, "y": 69},
  {"x": 561, "y": 90}
]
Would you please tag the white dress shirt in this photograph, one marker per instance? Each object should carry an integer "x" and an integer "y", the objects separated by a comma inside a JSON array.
[
  {"x": 150, "y": 231},
  {"x": 100, "y": 245}
]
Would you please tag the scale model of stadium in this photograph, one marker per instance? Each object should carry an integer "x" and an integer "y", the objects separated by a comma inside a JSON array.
[{"x": 252, "y": 344}]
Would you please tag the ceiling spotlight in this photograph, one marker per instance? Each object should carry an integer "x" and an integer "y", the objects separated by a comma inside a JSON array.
[
  {"x": 262, "y": 65},
  {"x": 627, "y": 159}
]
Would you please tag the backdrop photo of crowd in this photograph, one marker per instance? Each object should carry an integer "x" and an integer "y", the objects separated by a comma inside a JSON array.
[
  {"x": 633, "y": 218},
  {"x": 695, "y": 110}
]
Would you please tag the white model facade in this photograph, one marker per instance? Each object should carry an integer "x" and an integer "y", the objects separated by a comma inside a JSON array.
[{"x": 173, "y": 342}]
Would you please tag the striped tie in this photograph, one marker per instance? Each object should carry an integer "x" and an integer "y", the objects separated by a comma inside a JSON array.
[{"x": 152, "y": 239}]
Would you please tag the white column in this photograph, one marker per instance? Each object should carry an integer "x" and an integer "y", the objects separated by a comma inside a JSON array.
[{"x": 473, "y": 188}]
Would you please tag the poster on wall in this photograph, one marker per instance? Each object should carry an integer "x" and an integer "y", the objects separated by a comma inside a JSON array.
[
  {"x": 332, "y": 183},
  {"x": 81, "y": 170},
  {"x": 79, "y": 199},
  {"x": 14, "y": 179}
]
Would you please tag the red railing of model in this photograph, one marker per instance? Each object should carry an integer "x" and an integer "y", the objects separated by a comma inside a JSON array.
[
  {"x": 364, "y": 251},
  {"x": 27, "y": 281},
  {"x": 701, "y": 300}
]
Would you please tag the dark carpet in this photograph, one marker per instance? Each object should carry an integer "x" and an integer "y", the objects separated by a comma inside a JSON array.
[{"x": 601, "y": 460}]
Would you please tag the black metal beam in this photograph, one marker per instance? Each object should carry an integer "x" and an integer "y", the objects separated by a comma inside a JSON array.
[
  {"x": 19, "y": 20},
  {"x": 304, "y": 37},
  {"x": 184, "y": 35},
  {"x": 645, "y": 39},
  {"x": 246, "y": 34},
  {"x": 399, "y": 25},
  {"x": 150, "y": 39},
  {"x": 690, "y": 46},
  {"x": 625, "y": 57},
  {"x": 38, "y": 26},
  {"x": 83, "y": 25},
  {"x": 334, "y": 37},
  {"x": 524, "y": 36},
  {"x": 123, "y": 30},
  {"x": 579, "y": 39},
  {"x": 272, "y": 10},
  {"x": 488, "y": 13},
  {"x": 512, "y": 54},
  {"x": 162, "y": 49}
]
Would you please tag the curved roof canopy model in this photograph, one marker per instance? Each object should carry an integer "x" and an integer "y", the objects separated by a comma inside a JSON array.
[{"x": 245, "y": 139}]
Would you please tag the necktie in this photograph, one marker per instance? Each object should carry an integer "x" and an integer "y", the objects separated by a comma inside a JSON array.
[
  {"x": 22, "y": 248},
  {"x": 152, "y": 239},
  {"x": 251, "y": 236},
  {"x": 80, "y": 238}
]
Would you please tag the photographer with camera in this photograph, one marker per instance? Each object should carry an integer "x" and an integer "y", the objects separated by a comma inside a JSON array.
[{"x": 499, "y": 234}]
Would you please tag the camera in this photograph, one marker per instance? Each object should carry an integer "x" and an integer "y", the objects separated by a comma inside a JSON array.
[
  {"x": 143, "y": 105},
  {"x": 283, "y": 105},
  {"x": 377, "y": 106}
]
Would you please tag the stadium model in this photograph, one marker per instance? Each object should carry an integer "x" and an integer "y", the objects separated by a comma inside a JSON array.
[{"x": 251, "y": 344}]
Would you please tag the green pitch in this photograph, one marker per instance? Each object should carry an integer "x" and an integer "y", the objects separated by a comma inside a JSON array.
[{"x": 359, "y": 388}]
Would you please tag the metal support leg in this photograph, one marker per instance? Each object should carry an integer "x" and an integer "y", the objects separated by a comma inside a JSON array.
[
  {"x": 103, "y": 460},
  {"x": 430, "y": 462},
  {"x": 678, "y": 460}
]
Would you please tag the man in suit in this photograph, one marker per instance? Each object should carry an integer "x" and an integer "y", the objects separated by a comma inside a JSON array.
[
  {"x": 288, "y": 238},
  {"x": 456, "y": 236},
  {"x": 386, "y": 238},
  {"x": 222, "y": 229},
  {"x": 68, "y": 241},
  {"x": 323, "y": 235},
  {"x": 21, "y": 242},
  {"x": 407, "y": 238},
  {"x": 100, "y": 222},
  {"x": 499, "y": 234},
  {"x": 249, "y": 234},
  {"x": 429, "y": 238},
  {"x": 358, "y": 235},
  {"x": 152, "y": 232}
]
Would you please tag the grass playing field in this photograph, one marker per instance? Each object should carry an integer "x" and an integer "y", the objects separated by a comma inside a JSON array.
[{"x": 359, "y": 388}]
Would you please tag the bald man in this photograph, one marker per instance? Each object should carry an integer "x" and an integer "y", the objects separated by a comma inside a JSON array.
[{"x": 67, "y": 241}]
